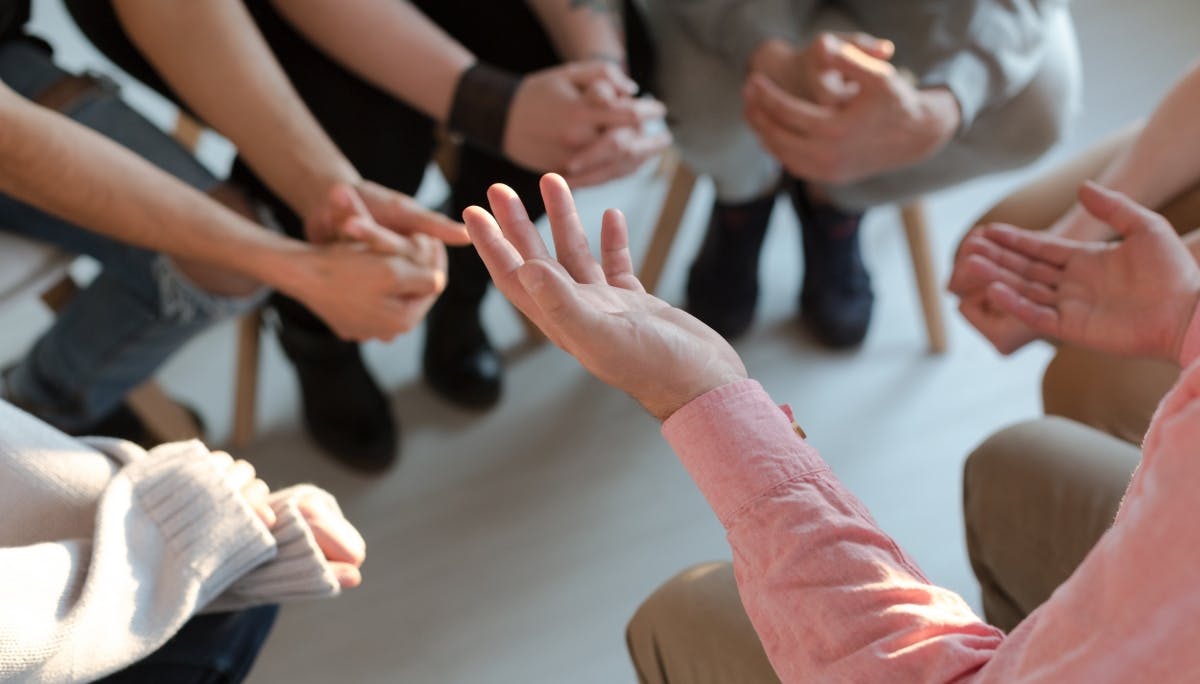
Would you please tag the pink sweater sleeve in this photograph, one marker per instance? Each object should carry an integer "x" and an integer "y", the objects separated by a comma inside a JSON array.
[{"x": 833, "y": 598}]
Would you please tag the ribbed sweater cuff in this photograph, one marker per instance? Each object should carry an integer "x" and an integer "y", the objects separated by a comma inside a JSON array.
[
  {"x": 298, "y": 571},
  {"x": 204, "y": 520}
]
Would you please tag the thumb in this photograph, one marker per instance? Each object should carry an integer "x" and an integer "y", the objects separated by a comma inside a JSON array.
[
  {"x": 1116, "y": 209},
  {"x": 857, "y": 65},
  {"x": 561, "y": 312}
]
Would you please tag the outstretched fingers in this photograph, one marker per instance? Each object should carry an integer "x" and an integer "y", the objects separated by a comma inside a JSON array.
[
  {"x": 498, "y": 254},
  {"x": 570, "y": 242},
  {"x": 614, "y": 252},
  {"x": 514, "y": 222}
]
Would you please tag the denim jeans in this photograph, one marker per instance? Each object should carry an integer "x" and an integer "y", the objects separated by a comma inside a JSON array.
[
  {"x": 140, "y": 309},
  {"x": 219, "y": 648}
]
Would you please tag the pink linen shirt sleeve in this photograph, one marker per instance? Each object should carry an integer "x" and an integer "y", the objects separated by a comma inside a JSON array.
[{"x": 833, "y": 598}]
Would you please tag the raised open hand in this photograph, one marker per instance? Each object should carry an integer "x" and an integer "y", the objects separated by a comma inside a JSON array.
[
  {"x": 1133, "y": 297},
  {"x": 598, "y": 312}
]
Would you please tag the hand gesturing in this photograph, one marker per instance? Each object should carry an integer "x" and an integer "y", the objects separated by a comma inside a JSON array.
[{"x": 598, "y": 312}]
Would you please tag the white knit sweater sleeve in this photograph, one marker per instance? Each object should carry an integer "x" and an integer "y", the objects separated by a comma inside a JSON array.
[
  {"x": 299, "y": 570},
  {"x": 170, "y": 533}
]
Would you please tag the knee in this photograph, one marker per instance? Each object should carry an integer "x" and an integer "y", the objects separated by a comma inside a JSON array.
[
  {"x": 661, "y": 618},
  {"x": 1000, "y": 466}
]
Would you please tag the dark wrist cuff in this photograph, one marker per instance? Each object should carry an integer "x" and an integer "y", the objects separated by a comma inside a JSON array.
[{"x": 481, "y": 103}]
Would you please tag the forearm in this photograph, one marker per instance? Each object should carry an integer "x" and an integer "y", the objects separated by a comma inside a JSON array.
[
  {"x": 1164, "y": 160},
  {"x": 393, "y": 45},
  {"x": 584, "y": 29},
  {"x": 120, "y": 195},
  {"x": 213, "y": 55},
  {"x": 829, "y": 593}
]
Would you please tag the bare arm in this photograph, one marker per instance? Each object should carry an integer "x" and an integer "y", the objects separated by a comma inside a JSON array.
[
  {"x": 213, "y": 55},
  {"x": 584, "y": 29},
  {"x": 1163, "y": 161},
  {"x": 390, "y": 44},
  {"x": 120, "y": 195}
]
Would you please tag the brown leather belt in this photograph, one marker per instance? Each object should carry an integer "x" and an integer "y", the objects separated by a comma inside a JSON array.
[{"x": 67, "y": 91}]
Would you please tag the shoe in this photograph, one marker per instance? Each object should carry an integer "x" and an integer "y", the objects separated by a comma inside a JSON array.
[
  {"x": 345, "y": 411},
  {"x": 460, "y": 363},
  {"x": 836, "y": 300},
  {"x": 722, "y": 288}
]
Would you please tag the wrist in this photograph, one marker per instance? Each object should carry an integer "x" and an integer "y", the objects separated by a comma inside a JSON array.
[{"x": 481, "y": 104}]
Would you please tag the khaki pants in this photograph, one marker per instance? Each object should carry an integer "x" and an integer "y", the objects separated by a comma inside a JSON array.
[{"x": 1037, "y": 496}]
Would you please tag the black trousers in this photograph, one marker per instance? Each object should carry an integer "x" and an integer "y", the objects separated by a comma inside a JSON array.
[{"x": 388, "y": 141}]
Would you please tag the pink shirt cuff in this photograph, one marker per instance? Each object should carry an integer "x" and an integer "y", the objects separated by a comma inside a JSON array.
[
  {"x": 738, "y": 445},
  {"x": 1191, "y": 341}
]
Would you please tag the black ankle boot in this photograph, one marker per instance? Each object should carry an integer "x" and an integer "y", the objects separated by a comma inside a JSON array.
[
  {"x": 836, "y": 300},
  {"x": 722, "y": 287},
  {"x": 460, "y": 363},
  {"x": 346, "y": 413}
]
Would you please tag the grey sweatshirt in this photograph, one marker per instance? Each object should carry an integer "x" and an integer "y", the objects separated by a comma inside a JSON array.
[{"x": 983, "y": 51}]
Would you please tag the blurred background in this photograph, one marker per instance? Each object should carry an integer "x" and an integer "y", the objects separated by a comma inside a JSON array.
[{"x": 513, "y": 546}]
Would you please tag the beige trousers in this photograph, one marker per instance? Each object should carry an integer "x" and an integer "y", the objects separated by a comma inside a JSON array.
[{"x": 1037, "y": 496}]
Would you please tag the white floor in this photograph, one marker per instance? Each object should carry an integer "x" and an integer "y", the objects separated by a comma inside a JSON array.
[{"x": 512, "y": 546}]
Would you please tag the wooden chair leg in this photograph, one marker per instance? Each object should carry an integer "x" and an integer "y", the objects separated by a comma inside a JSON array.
[
  {"x": 916, "y": 229},
  {"x": 246, "y": 381},
  {"x": 683, "y": 181},
  {"x": 167, "y": 420}
]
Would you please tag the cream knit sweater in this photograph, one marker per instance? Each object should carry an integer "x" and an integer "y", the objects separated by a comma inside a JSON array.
[{"x": 106, "y": 550}]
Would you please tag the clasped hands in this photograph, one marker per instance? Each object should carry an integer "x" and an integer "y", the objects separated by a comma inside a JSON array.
[
  {"x": 838, "y": 111},
  {"x": 584, "y": 120}
]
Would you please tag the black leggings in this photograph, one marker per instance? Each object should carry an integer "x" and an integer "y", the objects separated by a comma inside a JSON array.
[{"x": 386, "y": 140}]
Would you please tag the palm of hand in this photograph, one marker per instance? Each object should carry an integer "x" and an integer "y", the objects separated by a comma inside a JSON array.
[
  {"x": 645, "y": 337},
  {"x": 1114, "y": 298},
  {"x": 599, "y": 312}
]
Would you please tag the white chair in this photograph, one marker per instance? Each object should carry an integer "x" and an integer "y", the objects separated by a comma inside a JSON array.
[{"x": 34, "y": 270}]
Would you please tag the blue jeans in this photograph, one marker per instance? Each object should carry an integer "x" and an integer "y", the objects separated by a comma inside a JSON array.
[
  {"x": 140, "y": 309},
  {"x": 219, "y": 648}
]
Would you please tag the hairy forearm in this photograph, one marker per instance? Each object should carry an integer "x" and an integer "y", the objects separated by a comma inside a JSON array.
[
  {"x": 120, "y": 195},
  {"x": 393, "y": 45},
  {"x": 584, "y": 29},
  {"x": 212, "y": 53}
]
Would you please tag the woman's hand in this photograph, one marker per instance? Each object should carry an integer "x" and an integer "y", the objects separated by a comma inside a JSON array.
[{"x": 598, "y": 312}]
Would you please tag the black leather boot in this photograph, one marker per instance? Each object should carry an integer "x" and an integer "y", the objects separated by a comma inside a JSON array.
[
  {"x": 345, "y": 411},
  {"x": 460, "y": 363},
  {"x": 722, "y": 288},
  {"x": 836, "y": 299}
]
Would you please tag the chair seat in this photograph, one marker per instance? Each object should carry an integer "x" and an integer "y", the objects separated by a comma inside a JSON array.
[{"x": 28, "y": 268}]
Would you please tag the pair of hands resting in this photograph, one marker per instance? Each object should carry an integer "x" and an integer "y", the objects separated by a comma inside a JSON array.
[
  {"x": 837, "y": 111},
  {"x": 1132, "y": 297},
  {"x": 342, "y": 545},
  {"x": 584, "y": 120}
]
